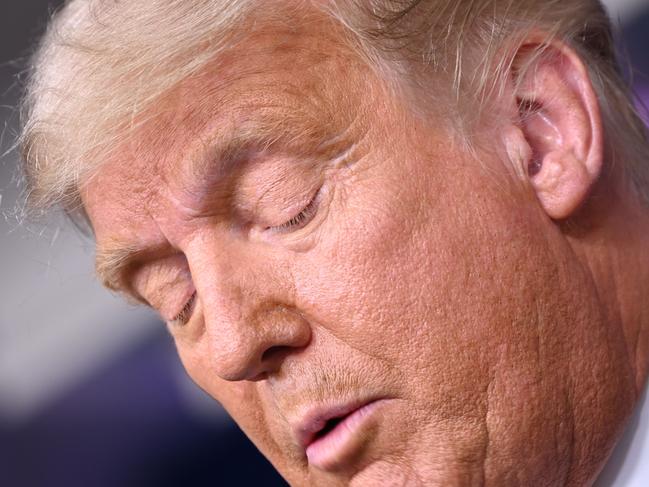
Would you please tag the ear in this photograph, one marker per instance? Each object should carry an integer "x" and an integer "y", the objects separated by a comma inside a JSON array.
[{"x": 560, "y": 125}]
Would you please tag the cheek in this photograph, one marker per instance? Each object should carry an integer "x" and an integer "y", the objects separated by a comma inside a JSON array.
[
  {"x": 472, "y": 297},
  {"x": 405, "y": 273},
  {"x": 243, "y": 403},
  {"x": 457, "y": 289}
]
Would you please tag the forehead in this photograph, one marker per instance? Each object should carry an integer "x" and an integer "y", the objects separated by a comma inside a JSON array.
[{"x": 288, "y": 87}]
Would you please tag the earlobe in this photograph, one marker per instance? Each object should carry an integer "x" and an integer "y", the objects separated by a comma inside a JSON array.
[
  {"x": 561, "y": 126},
  {"x": 561, "y": 184}
]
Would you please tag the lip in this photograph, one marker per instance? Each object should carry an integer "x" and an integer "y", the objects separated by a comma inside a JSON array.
[{"x": 342, "y": 436}]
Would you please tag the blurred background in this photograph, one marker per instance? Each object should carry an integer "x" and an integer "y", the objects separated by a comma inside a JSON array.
[{"x": 91, "y": 390}]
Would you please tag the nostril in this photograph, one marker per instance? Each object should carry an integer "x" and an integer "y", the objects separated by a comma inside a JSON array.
[
  {"x": 274, "y": 353},
  {"x": 270, "y": 360}
]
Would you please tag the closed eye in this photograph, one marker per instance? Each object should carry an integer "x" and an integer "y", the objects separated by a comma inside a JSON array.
[
  {"x": 301, "y": 219},
  {"x": 185, "y": 314}
]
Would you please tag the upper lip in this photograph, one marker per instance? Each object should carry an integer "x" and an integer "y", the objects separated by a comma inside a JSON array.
[{"x": 316, "y": 418}]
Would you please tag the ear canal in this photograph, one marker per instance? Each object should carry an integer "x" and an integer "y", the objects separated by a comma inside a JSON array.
[
  {"x": 527, "y": 108},
  {"x": 534, "y": 167}
]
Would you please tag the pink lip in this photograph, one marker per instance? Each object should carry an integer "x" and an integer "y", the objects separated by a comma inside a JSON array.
[{"x": 324, "y": 449}]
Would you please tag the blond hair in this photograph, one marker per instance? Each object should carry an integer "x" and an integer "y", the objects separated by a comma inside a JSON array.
[{"x": 103, "y": 63}]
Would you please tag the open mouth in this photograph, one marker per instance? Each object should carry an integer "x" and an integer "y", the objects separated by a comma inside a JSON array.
[
  {"x": 333, "y": 439},
  {"x": 329, "y": 426},
  {"x": 321, "y": 423}
]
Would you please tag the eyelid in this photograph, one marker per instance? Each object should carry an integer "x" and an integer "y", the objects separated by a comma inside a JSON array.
[
  {"x": 302, "y": 218},
  {"x": 183, "y": 317}
]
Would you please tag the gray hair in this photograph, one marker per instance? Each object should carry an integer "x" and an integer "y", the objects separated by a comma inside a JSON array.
[{"x": 103, "y": 63}]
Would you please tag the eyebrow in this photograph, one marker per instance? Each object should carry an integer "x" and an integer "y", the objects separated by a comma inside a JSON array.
[
  {"x": 112, "y": 260},
  {"x": 210, "y": 158},
  {"x": 211, "y": 162},
  {"x": 214, "y": 155}
]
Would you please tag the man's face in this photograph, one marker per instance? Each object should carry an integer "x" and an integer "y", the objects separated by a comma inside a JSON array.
[{"x": 372, "y": 305}]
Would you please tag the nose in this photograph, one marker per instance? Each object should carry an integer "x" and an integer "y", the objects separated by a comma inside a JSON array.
[{"x": 250, "y": 323}]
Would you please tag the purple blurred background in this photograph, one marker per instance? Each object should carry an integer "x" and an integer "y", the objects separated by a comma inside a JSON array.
[{"x": 91, "y": 391}]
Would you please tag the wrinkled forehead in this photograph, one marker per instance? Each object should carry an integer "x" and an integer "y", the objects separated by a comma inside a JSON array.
[{"x": 284, "y": 88}]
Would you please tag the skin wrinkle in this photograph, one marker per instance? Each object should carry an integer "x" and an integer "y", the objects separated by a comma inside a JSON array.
[
  {"x": 613, "y": 295},
  {"x": 573, "y": 476},
  {"x": 571, "y": 422},
  {"x": 570, "y": 419},
  {"x": 180, "y": 23},
  {"x": 624, "y": 241},
  {"x": 638, "y": 368},
  {"x": 423, "y": 278},
  {"x": 569, "y": 409},
  {"x": 487, "y": 419},
  {"x": 102, "y": 266}
]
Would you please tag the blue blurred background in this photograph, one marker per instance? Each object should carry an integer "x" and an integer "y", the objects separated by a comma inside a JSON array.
[{"x": 91, "y": 390}]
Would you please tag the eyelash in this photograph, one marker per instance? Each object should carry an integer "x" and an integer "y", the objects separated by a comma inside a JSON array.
[
  {"x": 183, "y": 317},
  {"x": 302, "y": 218}
]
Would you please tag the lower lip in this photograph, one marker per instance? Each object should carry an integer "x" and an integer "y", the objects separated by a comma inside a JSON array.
[{"x": 330, "y": 451}]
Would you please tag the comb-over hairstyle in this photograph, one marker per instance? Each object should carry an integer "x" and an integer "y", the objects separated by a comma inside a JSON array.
[{"x": 102, "y": 64}]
